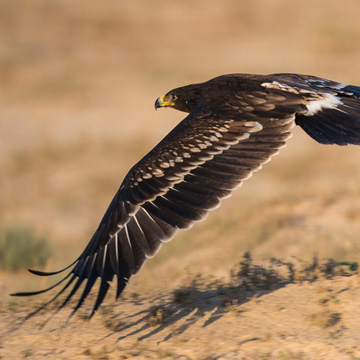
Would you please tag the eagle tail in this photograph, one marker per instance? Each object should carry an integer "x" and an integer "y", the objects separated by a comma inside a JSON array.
[{"x": 336, "y": 122}]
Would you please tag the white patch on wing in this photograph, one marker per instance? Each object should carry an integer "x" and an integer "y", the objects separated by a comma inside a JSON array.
[
  {"x": 256, "y": 126},
  {"x": 279, "y": 86},
  {"x": 329, "y": 102}
]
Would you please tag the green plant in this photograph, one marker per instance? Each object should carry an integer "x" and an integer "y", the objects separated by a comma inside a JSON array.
[{"x": 21, "y": 248}]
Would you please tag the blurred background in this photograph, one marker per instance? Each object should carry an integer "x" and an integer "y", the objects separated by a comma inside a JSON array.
[{"x": 78, "y": 81}]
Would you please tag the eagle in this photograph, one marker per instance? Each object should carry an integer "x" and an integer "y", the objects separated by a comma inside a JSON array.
[{"x": 235, "y": 124}]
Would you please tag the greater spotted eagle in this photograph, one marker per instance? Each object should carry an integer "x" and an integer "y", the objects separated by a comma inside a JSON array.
[{"x": 235, "y": 123}]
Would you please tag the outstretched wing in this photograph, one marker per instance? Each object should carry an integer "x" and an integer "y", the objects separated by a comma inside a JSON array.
[{"x": 197, "y": 164}]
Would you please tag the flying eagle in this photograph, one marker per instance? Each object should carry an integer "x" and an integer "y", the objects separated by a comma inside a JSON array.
[{"x": 235, "y": 123}]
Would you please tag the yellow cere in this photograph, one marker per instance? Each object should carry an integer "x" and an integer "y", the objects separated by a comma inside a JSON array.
[{"x": 165, "y": 102}]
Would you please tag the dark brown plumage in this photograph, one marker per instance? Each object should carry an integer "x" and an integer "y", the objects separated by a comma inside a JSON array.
[{"x": 235, "y": 124}]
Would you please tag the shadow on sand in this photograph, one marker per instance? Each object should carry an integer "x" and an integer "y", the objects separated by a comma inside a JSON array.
[{"x": 200, "y": 301}]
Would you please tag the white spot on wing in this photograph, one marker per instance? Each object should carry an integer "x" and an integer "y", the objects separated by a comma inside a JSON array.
[
  {"x": 195, "y": 149},
  {"x": 329, "y": 102},
  {"x": 279, "y": 86},
  {"x": 158, "y": 172},
  {"x": 164, "y": 165},
  {"x": 244, "y": 136},
  {"x": 254, "y": 125}
]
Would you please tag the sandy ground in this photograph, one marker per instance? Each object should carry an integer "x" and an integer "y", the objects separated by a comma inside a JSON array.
[
  {"x": 312, "y": 320},
  {"x": 78, "y": 81}
]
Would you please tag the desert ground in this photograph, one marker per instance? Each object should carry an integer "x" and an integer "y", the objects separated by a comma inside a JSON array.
[{"x": 78, "y": 81}]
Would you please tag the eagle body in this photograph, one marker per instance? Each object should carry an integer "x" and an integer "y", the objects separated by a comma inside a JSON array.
[{"x": 235, "y": 124}]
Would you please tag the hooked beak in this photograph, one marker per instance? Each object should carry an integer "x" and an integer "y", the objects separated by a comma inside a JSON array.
[{"x": 161, "y": 102}]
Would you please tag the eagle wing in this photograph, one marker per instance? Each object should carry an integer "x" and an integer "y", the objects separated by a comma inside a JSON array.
[{"x": 201, "y": 161}]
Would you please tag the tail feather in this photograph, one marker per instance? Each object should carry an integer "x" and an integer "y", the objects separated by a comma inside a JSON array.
[{"x": 339, "y": 125}]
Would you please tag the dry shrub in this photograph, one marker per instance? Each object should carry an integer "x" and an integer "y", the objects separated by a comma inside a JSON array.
[
  {"x": 248, "y": 280},
  {"x": 20, "y": 248}
]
